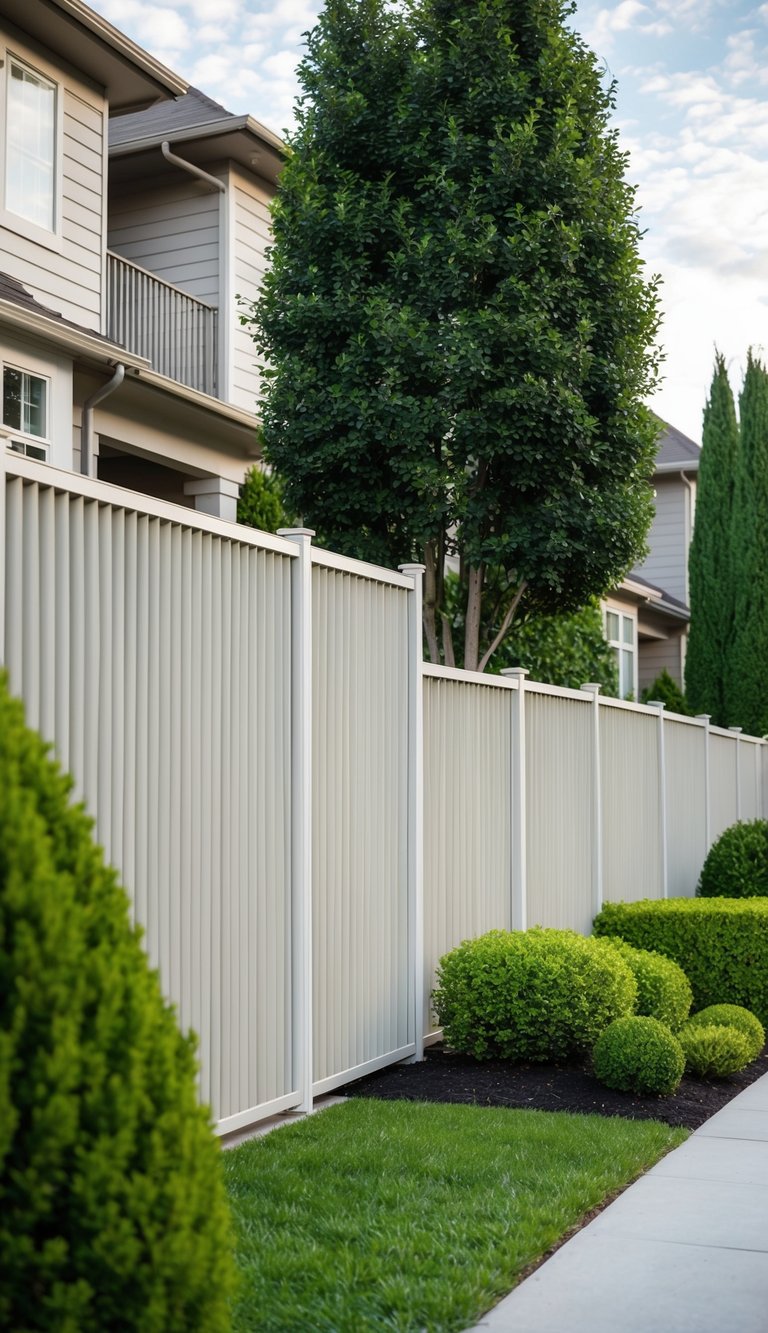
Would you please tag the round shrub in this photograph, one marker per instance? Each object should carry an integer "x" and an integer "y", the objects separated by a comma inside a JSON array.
[
  {"x": 530, "y": 995},
  {"x": 733, "y": 1016},
  {"x": 639, "y": 1054},
  {"x": 737, "y": 863},
  {"x": 112, "y": 1206},
  {"x": 663, "y": 989},
  {"x": 712, "y": 1051}
]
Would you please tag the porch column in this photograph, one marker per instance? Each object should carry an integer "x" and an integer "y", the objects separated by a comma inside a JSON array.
[{"x": 214, "y": 495}]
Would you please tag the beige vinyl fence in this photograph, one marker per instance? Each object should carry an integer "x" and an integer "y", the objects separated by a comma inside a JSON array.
[{"x": 304, "y": 815}]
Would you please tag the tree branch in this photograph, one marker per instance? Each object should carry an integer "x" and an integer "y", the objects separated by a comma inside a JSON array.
[{"x": 505, "y": 624}]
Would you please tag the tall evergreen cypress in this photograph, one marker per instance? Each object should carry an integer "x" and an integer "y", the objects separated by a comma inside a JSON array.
[
  {"x": 746, "y": 689},
  {"x": 710, "y": 568}
]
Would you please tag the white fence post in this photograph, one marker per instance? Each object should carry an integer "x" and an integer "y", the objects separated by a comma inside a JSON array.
[
  {"x": 416, "y": 802},
  {"x": 705, "y": 719},
  {"x": 301, "y": 812},
  {"x": 2, "y": 549},
  {"x": 519, "y": 887},
  {"x": 658, "y": 703},
  {"x": 592, "y": 687},
  {"x": 737, "y": 732}
]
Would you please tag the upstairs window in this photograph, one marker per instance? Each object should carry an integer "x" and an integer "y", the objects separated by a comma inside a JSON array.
[
  {"x": 30, "y": 146},
  {"x": 620, "y": 633},
  {"x": 25, "y": 412}
]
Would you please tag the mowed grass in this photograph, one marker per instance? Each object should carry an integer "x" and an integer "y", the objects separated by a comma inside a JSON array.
[{"x": 409, "y": 1216}]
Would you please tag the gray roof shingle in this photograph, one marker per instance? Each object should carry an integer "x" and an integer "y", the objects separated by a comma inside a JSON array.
[
  {"x": 675, "y": 449},
  {"x": 167, "y": 118}
]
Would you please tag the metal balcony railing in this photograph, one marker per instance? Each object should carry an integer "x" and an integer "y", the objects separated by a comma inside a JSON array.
[{"x": 152, "y": 318}]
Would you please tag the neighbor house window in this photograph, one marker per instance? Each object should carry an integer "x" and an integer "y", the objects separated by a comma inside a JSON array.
[
  {"x": 30, "y": 146},
  {"x": 25, "y": 412},
  {"x": 620, "y": 633}
]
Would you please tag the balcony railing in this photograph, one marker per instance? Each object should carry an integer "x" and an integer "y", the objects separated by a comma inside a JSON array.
[{"x": 175, "y": 332}]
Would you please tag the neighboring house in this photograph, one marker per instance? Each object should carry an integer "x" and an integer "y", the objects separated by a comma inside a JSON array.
[
  {"x": 646, "y": 618},
  {"x": 133, "y": 215}
]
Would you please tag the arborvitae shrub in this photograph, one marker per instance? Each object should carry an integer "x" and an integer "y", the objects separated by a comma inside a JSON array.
[
  {"x": 663, "y": 989},
  {"x": 712, "y": 1051},
  {"x": 530, "y": 995},
  {"x": 639, "y": 1055},
  {"x": 737, "y": 863},
  {"x": 720, "y": 943},
  {"x": 733, "y": 1016},
  {"x": 112, "y": 1207}
]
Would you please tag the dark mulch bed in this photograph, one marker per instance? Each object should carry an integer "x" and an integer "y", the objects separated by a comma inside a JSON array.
[{"x": 445, "y": 1076}]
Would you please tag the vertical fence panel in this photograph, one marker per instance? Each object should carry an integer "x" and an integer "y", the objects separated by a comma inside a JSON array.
[
  {"x": 360, "y": 814},
  {"x": 723, "y": 751},
  {"x": 559, "y": 795},
  {"x": 631, "y": 824},
  {"x": 686, "y": 812},
  {"x": 748, "y": 779},
  {"x": 467, "y": 807},
  {"x": 156, "y": 658}
]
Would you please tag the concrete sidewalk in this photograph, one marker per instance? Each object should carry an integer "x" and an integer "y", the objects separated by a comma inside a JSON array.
[{"x": 683, "y": 1250}]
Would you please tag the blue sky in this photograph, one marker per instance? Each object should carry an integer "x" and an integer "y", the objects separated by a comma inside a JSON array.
[{"x": 692, "y": 111}]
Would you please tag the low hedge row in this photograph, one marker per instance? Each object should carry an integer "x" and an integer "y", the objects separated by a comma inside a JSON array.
[{"x": 720, "y": 943}]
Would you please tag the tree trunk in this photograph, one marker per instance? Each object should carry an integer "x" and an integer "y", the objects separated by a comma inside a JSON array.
[
  {"x": 472, "y": 621},
  {"x": 430, "y": 601}
]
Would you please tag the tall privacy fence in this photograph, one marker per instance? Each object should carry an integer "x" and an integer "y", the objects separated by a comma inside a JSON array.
[{"x": 304, "y": 815}]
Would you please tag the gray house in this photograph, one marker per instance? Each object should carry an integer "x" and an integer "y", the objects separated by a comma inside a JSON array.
[
  {"x": 133, "y": 215},
  {"x": 646, "y": 618}
]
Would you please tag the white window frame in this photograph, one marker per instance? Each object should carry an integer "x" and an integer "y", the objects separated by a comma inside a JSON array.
[
  {"x": 37, "y": 359},
  {"x": 620, "y": 645},
  {"x": 52, "y": 240},
  {"x": 14, "y": 437}
]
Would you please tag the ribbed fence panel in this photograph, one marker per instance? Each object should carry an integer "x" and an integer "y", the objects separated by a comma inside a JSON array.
[
  {"x": 749, "y": 779},
  {"x": 363, "y": 1009},
  {"x": 686, "y": 808},
  {"x": 155, "y": 655},
  {"x": 723, "y": 760},
  {"x": 467, "y": 814},
  {"x": 559, "y": 798},
  {"x": 632, "y": 847}
]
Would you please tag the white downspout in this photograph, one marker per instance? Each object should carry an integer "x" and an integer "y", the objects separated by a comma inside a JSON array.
[
  {"x": 165, "y": 149},
  {"x": 86, "y": 426}
]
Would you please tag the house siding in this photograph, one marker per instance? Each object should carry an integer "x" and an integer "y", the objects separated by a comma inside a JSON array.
[
  {"x": 251, "y": 237},
  {"x": 67, "y": 275},
  {"x": 657, "y": 655},
  {"x": 174, "y": 232},
  {"x": 666, "y": 565}
]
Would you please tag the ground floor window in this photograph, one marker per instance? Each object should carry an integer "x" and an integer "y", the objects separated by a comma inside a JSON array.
[
  {"x": 25, "y": 411},
  {"x": 620, "y": 631}
]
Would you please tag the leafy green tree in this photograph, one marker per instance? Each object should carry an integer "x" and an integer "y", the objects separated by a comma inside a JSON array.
[
  {"x": 112, "y": 1206},
  {"x": 261, "y": 501},
  {"x": 745, "y": 691},
  {"x": 456, "y": 320},
  {"x": 667, "y": 691},
  {"x": 711, "y": 568}
]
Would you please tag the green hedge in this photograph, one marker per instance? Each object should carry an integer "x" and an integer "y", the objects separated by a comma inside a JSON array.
[
  {"x": 112, "y": 1206},
  {"x": 531, "y": 995},
  {"x": 663, "y": 990},
  {"x": 720, "y": 943},
  {"x": 737, "y": 863}
]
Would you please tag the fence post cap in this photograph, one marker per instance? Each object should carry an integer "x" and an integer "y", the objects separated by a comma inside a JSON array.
[
  {"x": 736, "y": 729},
  {"x": 295, "y": 532},
  {"x": 656, "y": 703},
  {"x": 412, "y": 568},
  {"x": 518, "y": 673},
  {"x": 591, "y": 686},
  {"x": 703, "y": 717}
]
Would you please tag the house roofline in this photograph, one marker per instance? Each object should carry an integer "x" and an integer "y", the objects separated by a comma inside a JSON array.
[
  {"x": 689, "y": 465},
  {"x": 168, "y": 81},
  {"x": 209, "y": 129},
  {"x": 68, "y": 336}
]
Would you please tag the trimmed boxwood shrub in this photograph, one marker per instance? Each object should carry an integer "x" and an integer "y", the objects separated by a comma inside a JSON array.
[
  {"x": 639, "y": 1054},
  {"x": 112, "y": 1206},
  {"x": 733, "y": 1016},
  {"x": 737, "y": 863},
  {"x": 712, "y": 1051},
  {"x": 720, "y": 943},
  {"x": 663, "y": 989},
  {"x": 530, "y": 995}
]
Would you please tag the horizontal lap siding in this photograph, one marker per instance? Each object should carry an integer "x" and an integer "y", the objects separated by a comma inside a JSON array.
[
  {"x": 631, "y": 822},
  {"x": 686, "y": 809},
  {"x": 559, "y": 796},
  {"x": 467, "y": 815},
  {"x": 156, "y": 657},
  {"x": 69, "y": 280},
  {"x": 173, "y": 232},
  {"x": 363, "y": 1001},
  {"x": 252, "y": 236}
]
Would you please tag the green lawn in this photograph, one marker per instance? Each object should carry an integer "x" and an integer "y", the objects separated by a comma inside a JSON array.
[{"x": 408, "y": 1216}]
